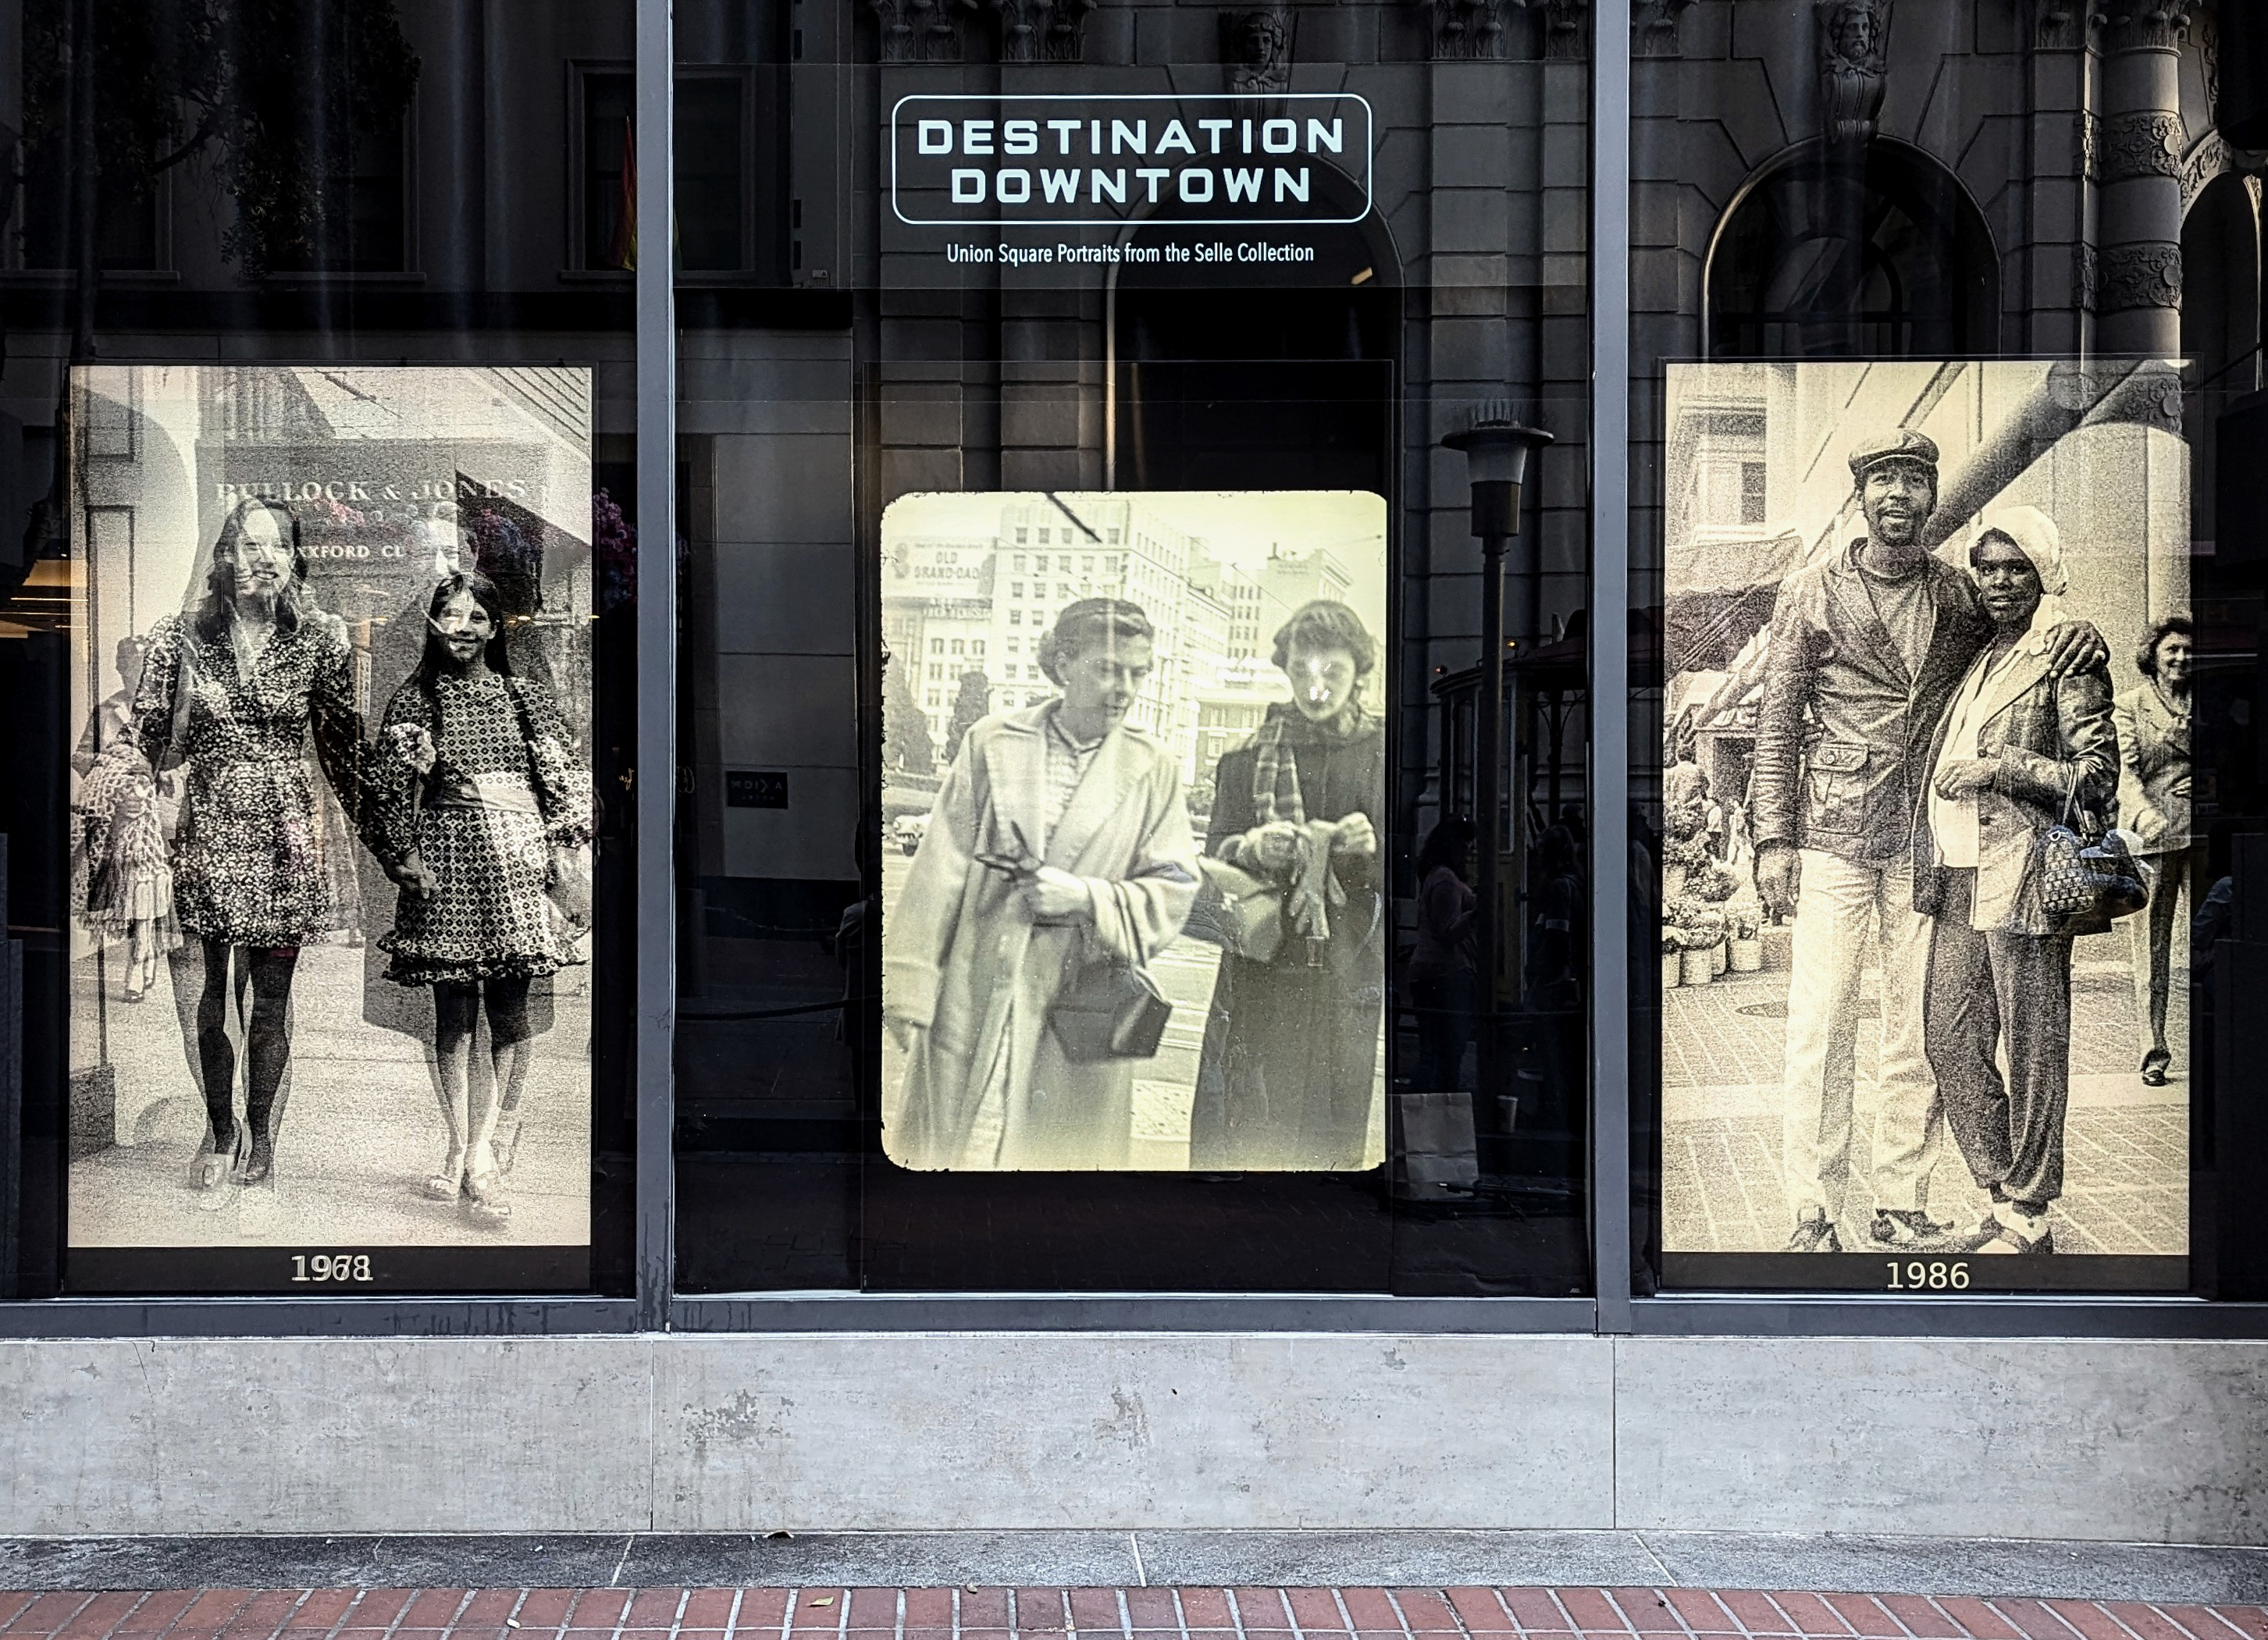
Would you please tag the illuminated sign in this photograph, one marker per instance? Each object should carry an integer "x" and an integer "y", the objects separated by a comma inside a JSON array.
[{"x": 1063, "y": 161}]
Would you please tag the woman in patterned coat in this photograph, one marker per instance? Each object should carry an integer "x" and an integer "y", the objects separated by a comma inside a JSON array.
[
  {"x": 1288, "y": 1078},
  {"x": 233, "y": 692},
  {"x": 485, "y": 808}
]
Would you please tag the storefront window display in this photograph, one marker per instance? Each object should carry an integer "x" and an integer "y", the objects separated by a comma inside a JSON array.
[
  {"x": 316, "y": 654},
  {"x": 1058, "y": 932},
  {"x": 1936, "y": 381}
]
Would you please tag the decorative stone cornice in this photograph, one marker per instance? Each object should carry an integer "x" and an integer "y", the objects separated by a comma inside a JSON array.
[
  {"x": 1469, "y": 30},
  {"x": 2142, "y": 25},
  {"x": 1562, "y": 28},
  {"x": 921, "y": 31},
  {"x": 1255, "y": 50},
  {"x": 2146, "y": 144},
  {"x": 1043, "y": 31},
  {"x": 1653, "y": 27},
  {"x": 1854, "y": 65},
  {"x": 2148, "y": 273}
]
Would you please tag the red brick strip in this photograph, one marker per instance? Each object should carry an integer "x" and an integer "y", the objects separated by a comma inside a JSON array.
[{"x": 1468, "y": 1613}]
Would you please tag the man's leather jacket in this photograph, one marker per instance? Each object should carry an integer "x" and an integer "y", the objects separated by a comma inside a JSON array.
[{"x": 1844, "y": 732}]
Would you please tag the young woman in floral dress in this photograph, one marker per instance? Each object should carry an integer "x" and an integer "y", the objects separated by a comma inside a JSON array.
[{"x": 486, "y": 808}]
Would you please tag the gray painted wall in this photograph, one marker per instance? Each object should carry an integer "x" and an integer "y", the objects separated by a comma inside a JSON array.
[{"x": 2152, "y": 1441}]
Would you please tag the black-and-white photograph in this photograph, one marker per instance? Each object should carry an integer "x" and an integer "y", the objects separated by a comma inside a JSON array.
[
  {"x": 1927, "y": 875},
  {"x": 331, "y": 823},
  {"x": 1134, "y": 890}
]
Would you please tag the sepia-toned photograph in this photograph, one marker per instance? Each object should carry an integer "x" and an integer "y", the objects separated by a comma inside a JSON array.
[
  {"x": 1134, "y": 892},
  {"x": 1927, "y": 873},
  {"x": 331, "y": 824}
]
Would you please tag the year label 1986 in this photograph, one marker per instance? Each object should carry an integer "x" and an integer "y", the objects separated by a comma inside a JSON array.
[
  {"x": 1916, "y": 1276},
  {"x": 330, "y": 1267}
]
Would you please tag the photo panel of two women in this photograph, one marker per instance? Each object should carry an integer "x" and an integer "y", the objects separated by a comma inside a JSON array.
[
  {"x": 1135, "y": 903},
  {"x": 331, "y": 829},
  {"x": 1930, "y": 877}
]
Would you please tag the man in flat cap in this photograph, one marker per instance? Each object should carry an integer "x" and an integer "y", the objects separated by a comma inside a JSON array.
[{"x": 1865, "y": 649}]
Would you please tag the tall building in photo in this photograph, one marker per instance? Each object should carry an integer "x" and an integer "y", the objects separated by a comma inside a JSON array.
[
  {"x": 937, "y": 618},
  {"x": 1291, "y": 578}
]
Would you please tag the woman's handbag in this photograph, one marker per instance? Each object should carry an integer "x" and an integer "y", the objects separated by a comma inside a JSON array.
[
  {"x": 1250, "y": 917},
  {"x": 2087, "y": 885},
  {"x": 1112, "y": 1009}
]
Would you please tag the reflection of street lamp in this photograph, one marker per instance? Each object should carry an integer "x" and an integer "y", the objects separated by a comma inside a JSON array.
[{"x": 1496, "y": 450}]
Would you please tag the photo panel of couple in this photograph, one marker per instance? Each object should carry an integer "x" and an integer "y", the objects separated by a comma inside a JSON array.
[
  {"x": 330, "y": 832},
  {"x": 1928, "y": 870},
  {"x": 1134, "y": 898}
]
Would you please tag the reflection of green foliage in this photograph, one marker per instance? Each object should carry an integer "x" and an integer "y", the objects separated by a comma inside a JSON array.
[
  {"x": 906, "y": 743},
  {"x": 272, "y": 93},
  {"x": 970, "y": 704}
]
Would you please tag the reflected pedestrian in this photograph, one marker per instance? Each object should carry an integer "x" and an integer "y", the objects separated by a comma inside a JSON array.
[{"x": 1444, "y": 984}]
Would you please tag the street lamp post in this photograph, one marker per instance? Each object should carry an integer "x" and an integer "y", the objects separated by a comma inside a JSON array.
[{"x": 1495, "y": 451}]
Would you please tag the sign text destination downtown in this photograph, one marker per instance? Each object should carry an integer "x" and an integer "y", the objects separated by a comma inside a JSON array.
[{"x": 1066, "y": 161}]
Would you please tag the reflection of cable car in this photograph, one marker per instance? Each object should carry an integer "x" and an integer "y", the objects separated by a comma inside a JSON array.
[{"x": 907, "y": 831}]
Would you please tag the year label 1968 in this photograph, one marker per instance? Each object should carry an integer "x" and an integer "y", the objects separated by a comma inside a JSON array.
[
  {"x": 330, "y": 1267},
  {"x": 1934, "y": 1275}
]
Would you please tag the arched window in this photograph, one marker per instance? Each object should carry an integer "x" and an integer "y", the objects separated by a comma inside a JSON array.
[{"x": 1852, "y": 254}]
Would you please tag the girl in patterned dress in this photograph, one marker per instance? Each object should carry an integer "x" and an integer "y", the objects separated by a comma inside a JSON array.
[
  {"x": 487, "y": 811},
  {"x": 233, "y": 691},
  {"x": 122, "y": 818}
]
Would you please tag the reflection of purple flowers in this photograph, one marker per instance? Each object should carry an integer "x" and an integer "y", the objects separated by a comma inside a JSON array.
[
  {"x": 504, "y": 545},
  {"x": 614, "y": 543}
]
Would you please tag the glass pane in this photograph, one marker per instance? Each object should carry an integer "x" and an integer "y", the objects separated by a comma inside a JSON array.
[
  {"x": 1191, "y": 294},
  {"x": 319, "y": 673},
  {"x": 1940, "y": 667}
]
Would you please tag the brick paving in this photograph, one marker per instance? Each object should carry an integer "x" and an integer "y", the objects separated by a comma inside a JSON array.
[
  {"x": 975, "y": 1613},
  {"x": 2126, "y": 1149}
]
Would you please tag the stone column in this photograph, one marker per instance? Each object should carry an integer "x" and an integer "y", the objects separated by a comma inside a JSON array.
[{"x": 2139, "y": 300}]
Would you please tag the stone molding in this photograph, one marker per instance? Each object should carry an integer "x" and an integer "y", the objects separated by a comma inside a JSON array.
[
  {"x": 1255, "y": 50},
  {"x": 1469, "y": 30},
  {"x": 2090, "y": 145},
  {"x": 1043, "y": 31},
  {"x": 1653, "y": 27},
  {"x": 921, "y": 31},
  {"x": 2210, "y": 158},
  {"x": 937, "y": 30},
  {"x": 2145, "y": 274},
  {"x": 1854, "y": 65},
  {"x": 2141, "y": 25},
  {"x": 2146, "y": 144},
  {"x": 2086, "y": 276}
]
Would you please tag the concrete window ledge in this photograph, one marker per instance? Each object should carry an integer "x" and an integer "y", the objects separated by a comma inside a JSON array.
[{"x": 2149, "y": 1441}]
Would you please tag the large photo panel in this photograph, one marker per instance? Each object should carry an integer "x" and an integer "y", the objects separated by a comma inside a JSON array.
[
  {"x": 331, "y": 822},
  {"x": 1927, "y": 863},
  {"x": 1134, "y": 771}
]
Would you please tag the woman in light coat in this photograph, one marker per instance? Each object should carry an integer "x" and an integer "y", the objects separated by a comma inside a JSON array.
[
  {"x": 2154, "y": 799},
  {"x": 2020, "y": 749},
  {"x": 1059, "y": 839}
]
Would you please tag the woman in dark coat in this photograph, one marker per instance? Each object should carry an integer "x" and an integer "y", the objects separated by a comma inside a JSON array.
[{"x": 1288, "y": 1078}]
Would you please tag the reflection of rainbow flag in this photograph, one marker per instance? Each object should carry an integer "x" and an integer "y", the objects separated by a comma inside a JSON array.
[{"x": 623, "y": 252}]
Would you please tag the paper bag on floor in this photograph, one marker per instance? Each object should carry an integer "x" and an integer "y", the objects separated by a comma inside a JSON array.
[{"x": 1434, "y": 1149}]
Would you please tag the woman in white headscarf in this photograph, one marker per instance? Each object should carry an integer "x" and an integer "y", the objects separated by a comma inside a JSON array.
[{"x": 2020, "y": 750}]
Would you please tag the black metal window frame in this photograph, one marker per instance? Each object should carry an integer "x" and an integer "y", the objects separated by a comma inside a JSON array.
[{"x": 1615, "y": 1310}]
